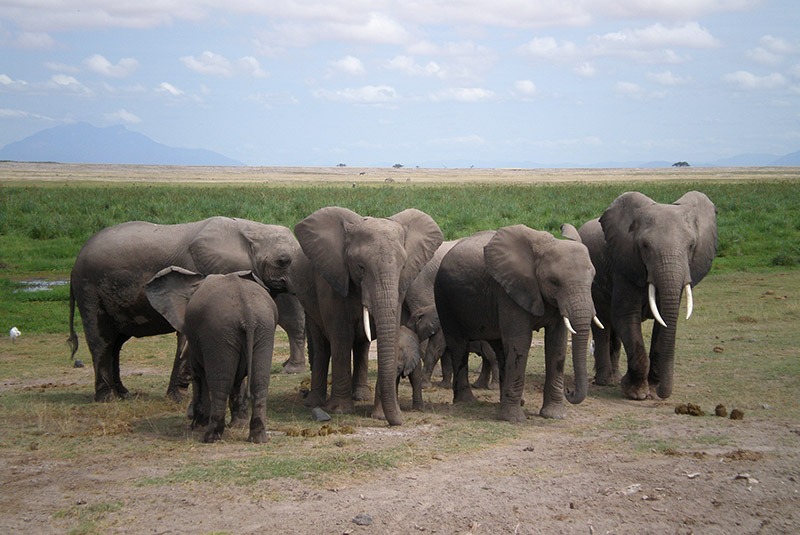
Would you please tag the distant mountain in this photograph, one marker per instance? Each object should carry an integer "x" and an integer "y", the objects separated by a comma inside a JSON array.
[
  {"x": 84, "y": 143},
  {"x": 744, "y": 160},
  {"x": 791, "y": 159}
]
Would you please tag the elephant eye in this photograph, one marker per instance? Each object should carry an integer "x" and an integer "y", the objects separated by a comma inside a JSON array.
[{"x": 555, "y": 282}]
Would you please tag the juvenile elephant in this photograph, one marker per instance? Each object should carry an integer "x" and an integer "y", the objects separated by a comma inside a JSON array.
[
  {"x": 646, "y": 255},
  {"x": 229, "y": 323},
  {"x": 499, "y": 286},
  {"x": 111, "y": 270},
  {"x": 409, "y": 364},
  {"x": 355, "y": 268}
]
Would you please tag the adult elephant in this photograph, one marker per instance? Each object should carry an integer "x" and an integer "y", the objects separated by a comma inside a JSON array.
[
  {"x": 499, "y": 286},
  {"x": 356, "y": 268},
  {"x": 108, "y": 278},
  {"x": 647, "y": 254}
]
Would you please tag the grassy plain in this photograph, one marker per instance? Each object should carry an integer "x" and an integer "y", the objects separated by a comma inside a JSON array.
[{"x": 739, "y": 348}]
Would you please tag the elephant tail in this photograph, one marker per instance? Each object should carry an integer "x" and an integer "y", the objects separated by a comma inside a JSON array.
[
  {"x": 73, "y": 338},
  {"x": 249, "y": 334}
]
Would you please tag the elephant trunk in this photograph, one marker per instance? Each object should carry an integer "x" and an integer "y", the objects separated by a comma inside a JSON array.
[
  {"x": 387, "y": 323},
  {"x": 662, "y": 355},
  {"x": 579, "y": 316}
]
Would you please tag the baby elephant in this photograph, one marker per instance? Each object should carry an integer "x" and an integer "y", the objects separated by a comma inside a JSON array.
[{"x": 229, "y": 322}]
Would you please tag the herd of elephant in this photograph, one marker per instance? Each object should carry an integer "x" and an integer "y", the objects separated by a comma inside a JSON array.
[{"x": 342, "y": 279}]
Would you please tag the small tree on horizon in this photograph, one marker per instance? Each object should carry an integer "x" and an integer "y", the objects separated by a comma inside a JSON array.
[{"x": 681, "y": 164}]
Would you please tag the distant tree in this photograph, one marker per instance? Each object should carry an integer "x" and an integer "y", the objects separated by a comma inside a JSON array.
[
  {"x": 341, "y": 165},
  {"x": 397, "y": 165},
  {"x": 680, "y": 164}
]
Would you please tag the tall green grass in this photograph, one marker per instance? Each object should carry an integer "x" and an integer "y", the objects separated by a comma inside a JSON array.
[{"x": 42, "y": 227}]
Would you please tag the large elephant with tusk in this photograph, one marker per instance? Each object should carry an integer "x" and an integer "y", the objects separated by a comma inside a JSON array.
[
  {"x": 355, "y": 273},
  {"x": 500, "y": 286},
  {"x": 647, "y": 255}
]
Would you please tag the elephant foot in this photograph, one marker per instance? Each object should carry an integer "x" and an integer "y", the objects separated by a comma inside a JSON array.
[
  {"x": 211, "y": 436},
  {"x": 239, "y": 422},
  {"x": 377, "y": 412},
  {"x": 107, "y": 394},
  {"x": 445, "y": 384},
  {"x": 177, "y": 394},
  {"x": 314, "y": 399},
  {"x": 426, "y": 383},
  {"x": 606, "y": 379},
  {"x": 339, "y": 406},
  {"x": 631, "y": 390},
  {"x": 511, "y": 413},
  {"x": 362, "y": 393},
  {"x": 464, "y": 396},
  {"x": 258, "y": 437},
  {"x": 481, "y": 384},
  {"x": 555, "y": 411},
  {"x": 293, "y": 367}
]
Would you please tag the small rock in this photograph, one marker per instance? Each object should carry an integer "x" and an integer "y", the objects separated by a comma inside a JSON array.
[
  {"x": 319, "y": 415},
  {"x": 736, "y": 414},
  {"x": 362, "y": 519},
  {"x": 77, "y": 364},
  {"x": 718, "y": 349},
  {"x": 721, "y": 410}
]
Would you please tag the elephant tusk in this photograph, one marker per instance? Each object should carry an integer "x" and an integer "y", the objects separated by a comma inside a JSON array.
[
  {"x": 596, "y": 321},
  {"x": 569, "y": 325},
  {"x": 651, "y": 298},
  {"x": 689, "y": 301},
  {"x": 366, "y": 324}
]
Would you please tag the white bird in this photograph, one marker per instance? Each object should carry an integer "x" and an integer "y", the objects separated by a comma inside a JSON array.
[{"x": 14, "y": 333}]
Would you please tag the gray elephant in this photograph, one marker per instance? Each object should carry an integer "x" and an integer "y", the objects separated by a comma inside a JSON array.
[
  {"x": 409, "y": 364},
  {"x": 646, "y": 255},
  {"x": 229, "y": 323},
  {"x": 108, "y": 278},
  {"x": 357, "y": 268},
  {"x": 499, "y": 286}
]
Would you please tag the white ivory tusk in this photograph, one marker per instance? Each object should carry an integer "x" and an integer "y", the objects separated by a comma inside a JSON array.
[
  {"x": 569, "y": 325},
  {"x": 596, "y": 321},
  {"x": 651, "y": 297},
  {"x": 366, "y": 324},
  {"x": 689, "y": 301}
]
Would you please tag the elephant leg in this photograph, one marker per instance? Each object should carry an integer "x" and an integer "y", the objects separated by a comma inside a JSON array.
[
  {"x": 262, "y": 357},
  {"x": 416, "y": 379},
  {"x": 320, "y": 356},
  {"x": 485, "y": 375},
  {"x": 446, "y": 363},
  {"x": 216, "y": 417},
  {"x": 490, "y": 372},
  {"x": 181, "y": 375},
  {"x": 292, "y": 320},
  {"x": 105, "y": 343},
  {"x": 512, "y": 359},
  {"x": 460, "y": 357},
  {"x": 634, "y": 383},
  {"x": 603, "y": 366},
  {"x": 239, "y": 403},
  {"x": 341, "y": 398},
  {"x": 431, "y": 350},
  {"x": 361, "y": 389},
  {"x": 555, "y": 352}
]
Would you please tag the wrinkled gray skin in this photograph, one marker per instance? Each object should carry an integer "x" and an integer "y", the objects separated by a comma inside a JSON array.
[
  {"x": 635, "y": 243},
  {"x": 409, "y": 364},
  {"x": 499, "y": 286},
  {"x": 353, "y": 262},
  {"x": 229, "y": 323},
  {"x": 107, "y": 281},
  {"x": 419, "y": 314}
]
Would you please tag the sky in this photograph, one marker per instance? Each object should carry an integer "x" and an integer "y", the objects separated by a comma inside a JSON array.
[{"x": 425, "y": 83}]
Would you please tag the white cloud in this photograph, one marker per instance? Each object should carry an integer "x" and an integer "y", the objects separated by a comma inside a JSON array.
[
  {"x": 771, "y": 50},
  {"x": 61, "y": 67},
  {"x": 463, "y": 94},
  {"x": 585, "y": 70},
  {"x": 100, "y": 65},
  {"x": 122, "y": 115},
  {"x": 9, "y": 83},
  {"x": 7, "y": 113},
  {"x": 349, "y": 65},
  {"x": 214, "y": 64},
  {"x": 370, "y": 94},
  {"x": 166, "y": 87},
  {"x": 272, "y": 100},
  {"x": 666, "y": 78},
  {"x": 407, "y": 65},
  {"x": 68, "y": 83},
  {"x": 550, "y": 49},
  {"x": 370, "y": 28},
  {"x": 35, "y": 41},
  {"x": 525, "y": 88},
  {"x": 748, "y": 80}
]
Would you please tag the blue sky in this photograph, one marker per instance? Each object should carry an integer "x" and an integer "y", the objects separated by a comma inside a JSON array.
[{"x": 418, "y": 82}]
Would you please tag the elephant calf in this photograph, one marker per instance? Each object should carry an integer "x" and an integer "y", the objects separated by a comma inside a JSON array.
[{"x": 229, "y": 322}]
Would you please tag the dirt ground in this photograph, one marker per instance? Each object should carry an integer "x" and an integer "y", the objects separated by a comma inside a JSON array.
[{"x": 585, "y": 474}]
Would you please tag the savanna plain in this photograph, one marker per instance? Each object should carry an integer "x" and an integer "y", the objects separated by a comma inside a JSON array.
[{"x": 69, "y": 465}]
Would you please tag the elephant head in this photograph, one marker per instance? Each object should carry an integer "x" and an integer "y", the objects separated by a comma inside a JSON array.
[
  {"x": 373, "y": 260},
  {"x": 667, "y": 248},
  {"x": 540, "y": 272}
]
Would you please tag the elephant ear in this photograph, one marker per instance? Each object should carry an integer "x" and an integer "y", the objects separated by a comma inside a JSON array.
[
  {"x": 703, "y": 214},
  {"x": 422, "y": 238},
  {"x": 220, "y": 246},
  {"x": 322, "y": 236},
  {"x": 511, "y": 257},
  {"x": 570, "y": 232},
  {"x": 619, "y": 227},
  {"x": 250, "y": 276},
  {"x": 170, "y": 290}
]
